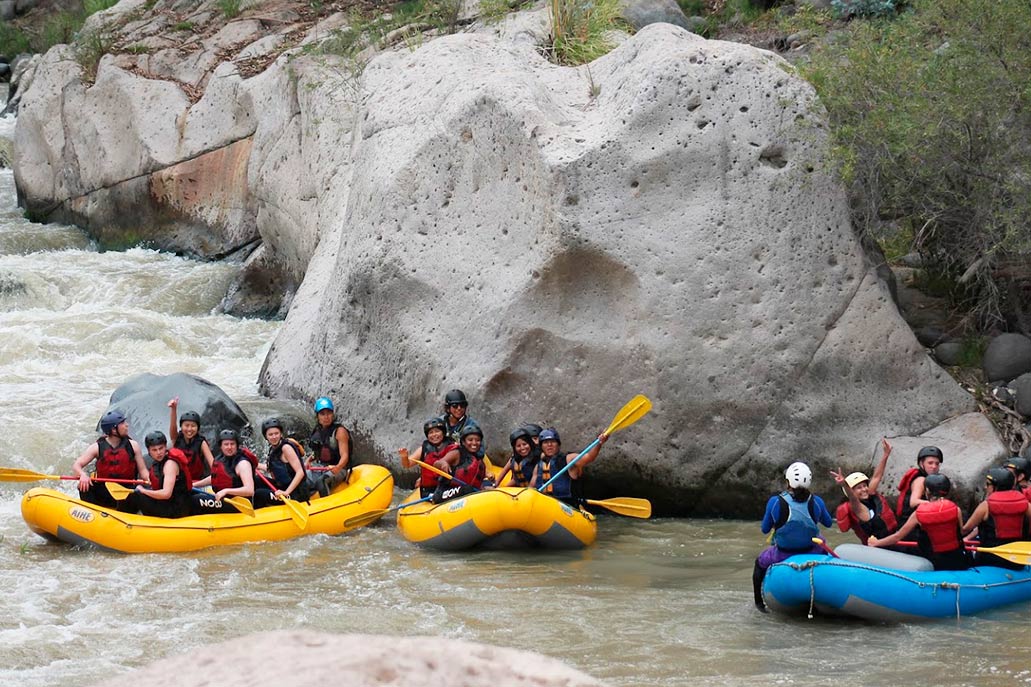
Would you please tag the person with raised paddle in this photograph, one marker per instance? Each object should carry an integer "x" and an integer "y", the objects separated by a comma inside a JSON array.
[
  {"x": 168, "y": 495},
  {"x": 232, "y": 474},
  {"x": 187, "y": 438},
  {"x": 286, "y": 472},
  {"x": 117, "y": 456},
  {"x": 794, "y": 516},
  {"x": 434, "y": 448},
  {"x": 1004, "y": 517},
  {"x": 865, "y": 511},
  {"x": 456, "y": 415},
  {"x": 936, "y": 522},
  {"x": 525, "y": 455},
  {"x": 465, "y": 464},
  {"x": 329, "y": 462},
  {"x": 557, "y": 474}
]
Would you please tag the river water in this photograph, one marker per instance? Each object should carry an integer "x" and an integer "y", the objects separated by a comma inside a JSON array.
[{"x": 664, "y": 602}]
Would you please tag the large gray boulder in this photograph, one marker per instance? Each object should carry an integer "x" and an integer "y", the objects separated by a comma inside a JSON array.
[
  {"x": 1007, "y": 357},
  {"x": 370, "y": 661},
  {"x": 554, "y": 248}
]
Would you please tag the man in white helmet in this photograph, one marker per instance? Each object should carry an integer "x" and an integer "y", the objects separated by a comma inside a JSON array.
[{"x": 792, "y": 515}]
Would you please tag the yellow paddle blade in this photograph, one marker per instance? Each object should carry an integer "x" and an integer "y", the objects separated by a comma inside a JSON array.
[
  {"x": 1018, "y": 552},
  {"x": 19, "y": 475},
  {"x": 366, "y": 518},
  {"x": 117, "y": 491},
  {"x": 241, "y": 504},
  {"x": 297, "y": 512},
  {"x": 625, "y": 505},
  {"x": 634, "y": 410}
]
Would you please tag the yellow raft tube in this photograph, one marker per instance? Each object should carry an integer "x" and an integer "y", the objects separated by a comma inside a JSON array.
[
  {"x": 502, "y": 518},
  {"x": 56, "y": 515}
]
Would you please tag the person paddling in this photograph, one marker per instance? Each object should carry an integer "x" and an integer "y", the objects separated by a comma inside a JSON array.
[
  {"x": 865, "y": 511},
  {"x": 168, "y": 495},
  {"x": 937, "y": 522},
  {"x": 117, "y": 457},
  {"x": 794, "y": 516},
  {"x": 567, "y": 487},
  {"x": 187, "y": 438},
  {"x": 433, "y": 448},
  {"x": 232, "y": 474},
  {"x": 1002, "y": 518},
  {"x": 525, "y": 455},
  {"x": 286, "y": 471},
  {"x": 466, "y": 464},
  {"x": 331, "y": 449}
]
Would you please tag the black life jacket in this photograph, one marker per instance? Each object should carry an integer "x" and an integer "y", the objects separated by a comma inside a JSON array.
[
  {"x": 283, "y": 473},
  {"x": 323, "y": 444},
  {"x": 194, "y": 454}
]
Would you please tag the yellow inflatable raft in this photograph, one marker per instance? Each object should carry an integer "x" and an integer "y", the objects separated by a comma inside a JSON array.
[
  {"x": 503, "y": 518},
  {"x": 56, "y": 515}
]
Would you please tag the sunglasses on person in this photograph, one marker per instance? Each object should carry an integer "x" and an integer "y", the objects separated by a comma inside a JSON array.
[{"x": 457, "y": 405}]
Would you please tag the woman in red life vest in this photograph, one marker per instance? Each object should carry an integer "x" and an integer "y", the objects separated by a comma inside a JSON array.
[
  {"x": 117, "y": 456},
  {"x": 187, "y": 438},
  {"x": 433, "y": 448},
  {"x": 1002, "y": 518},
  {"x": 232, "y": 474},
  {"x": 911, "y": 486},
  {"x": 939, "y": 521},
  {"x": 465, "y": 464},
  {"x": 865, "y": 511},
  {"x": 169, "y": 493}
]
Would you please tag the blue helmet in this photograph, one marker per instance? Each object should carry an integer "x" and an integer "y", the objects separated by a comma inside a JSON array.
[
  {"x": 111, "y": 419},
  {"x": 323, "y": 403},
  {"x": 550, "y": 434}
]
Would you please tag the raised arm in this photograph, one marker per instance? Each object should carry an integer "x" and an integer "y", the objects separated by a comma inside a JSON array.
[
  {"x": 173, "y": 420},
  {"x": 878, "y": 472}
]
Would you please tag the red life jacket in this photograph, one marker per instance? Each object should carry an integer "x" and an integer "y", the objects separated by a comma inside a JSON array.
[
  {"x": 902, "y": 509},
  {"x": 223, "y": 470},
  {"x": 1006, "y": 511},
  {"x": 471, "y": 470},
  {"x": 939, "y": 522},
  {"x": 116, "y": 462},
  {"x": 1026, "y": 491},
  {"x": 430, "y": 455},
  {"x": 847, "y": 519},
  {"x": 157, "y": 469}
]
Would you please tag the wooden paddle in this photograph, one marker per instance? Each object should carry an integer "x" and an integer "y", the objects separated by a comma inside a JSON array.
[
  {"x": 297, "y": 512},
  {"x": 19, "y": 475},
  {"x": 373, "y": 515},
  {"x": 120, "y": 493},
  {"x": 633, "y": 411}
]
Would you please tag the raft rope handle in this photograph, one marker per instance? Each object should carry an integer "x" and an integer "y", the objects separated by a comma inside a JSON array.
[{"x": 812, "y": 590}]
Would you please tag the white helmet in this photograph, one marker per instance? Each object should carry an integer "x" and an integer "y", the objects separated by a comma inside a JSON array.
[{"x": 799, "y": 475}]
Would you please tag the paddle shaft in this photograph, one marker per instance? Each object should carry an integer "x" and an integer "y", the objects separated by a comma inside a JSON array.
[
  {"x": 376, "y": 514},
  {"x": 569, "y": 464}
]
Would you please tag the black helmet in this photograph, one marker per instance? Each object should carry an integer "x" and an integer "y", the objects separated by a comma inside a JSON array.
[
  {"x": 938, "y": 485},
  {"x": 189, "y": 416},
  {"x": 520, "y": 433},
  {"x": 533, "y": 429},
  {"x": 434, "y": 423},
  {"x": 229, "y": 435},
  {"x": 1000, "y": 478},
  {"x": 928, "y": 451},
  {"x": 454, "y": 397},
  {"x": 111, "y": 419},
  {"x": 269, "y": 424},
  {"x": 469, "y": 430},
  {"x": 1018, "y": 464},
  {"x": 155, "y": 438}
]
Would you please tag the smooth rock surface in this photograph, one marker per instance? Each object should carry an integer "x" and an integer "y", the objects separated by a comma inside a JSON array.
[
  {"x": 1021, "y": 386},
  {"x": 1007, "y": 357},
  {"x": 370, "y": 661}
]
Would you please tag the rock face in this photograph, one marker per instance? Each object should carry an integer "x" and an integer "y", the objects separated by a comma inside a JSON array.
[
  {"x": 1007, "y": 357},
  {"x": 371, "y": 661},
  {"x": 554, "y": 245}
]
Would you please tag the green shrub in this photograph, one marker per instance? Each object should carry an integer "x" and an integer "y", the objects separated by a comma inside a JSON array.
[
  {"x": 972, "y": 351},
  {"x": 931, "y": 117},
  {"x": 59, "y": 28},
  {"x": 94, "y": 6},
  {"x": 230, "y": 8},
  {"x": 183, "y": 26},
  {"x": 12, "y": 40},
  {"x": 863, "y": 8},
  {"x": 578, "y": 29}
]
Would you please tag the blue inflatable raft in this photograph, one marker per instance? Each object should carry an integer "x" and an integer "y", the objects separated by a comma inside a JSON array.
[{"x": 889, "y": 587}]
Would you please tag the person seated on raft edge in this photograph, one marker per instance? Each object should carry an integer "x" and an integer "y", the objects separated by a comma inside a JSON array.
[
  {"x": 794, "y": 516},
  {"x": 455, "y": 415},
  {"x": 188, "y": 439},
  {"x": 566, "y": 488},
  {"x": 232, "y": 474},
  {"x": 937, "y": 522},
  {"x": 1021, "y": 469},
  {"x": 911, "y": 486},
  {"x": 170, "y": 485},
  {"x": 435, "y": 447},
  {"x": 284, "y": 465},
  {"x": 464, "y": 463},
  {"x": 525, "y": 455},
  {"x": 331, "y": 448},
  {"x": 118, "y": 456},
  {"x": 865, "y": 511},
  {"x": 1002, "y": 518}
]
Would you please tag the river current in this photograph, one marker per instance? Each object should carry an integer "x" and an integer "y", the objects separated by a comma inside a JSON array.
[{"x": 662, "y": 602}]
